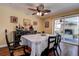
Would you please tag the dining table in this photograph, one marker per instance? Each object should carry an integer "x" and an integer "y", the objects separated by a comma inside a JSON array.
[{"x": 37, "y": 42}]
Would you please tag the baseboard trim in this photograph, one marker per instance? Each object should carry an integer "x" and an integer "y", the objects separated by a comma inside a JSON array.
[{"x": 1, "y": 46}]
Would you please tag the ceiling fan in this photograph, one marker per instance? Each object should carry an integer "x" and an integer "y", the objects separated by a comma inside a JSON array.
[{"x": 40, "y": 10}]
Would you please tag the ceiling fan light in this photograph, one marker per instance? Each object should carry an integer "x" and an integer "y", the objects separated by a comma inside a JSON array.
[
  {"x": 45, "y": 13},
  {"x": 37, "y": 13},
  {"x": 40, "y": 13}
]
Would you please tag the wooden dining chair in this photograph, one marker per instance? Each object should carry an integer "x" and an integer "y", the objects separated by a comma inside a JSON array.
[
  {"x": 54, "y": 40},
  {"x": 51, "y": 39},
  {"x": 13, "y": 49},
  {"x": 57, "y": 45}
]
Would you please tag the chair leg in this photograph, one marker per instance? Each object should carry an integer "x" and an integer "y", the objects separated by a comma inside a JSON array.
[
  {"x": 24, "y": 50},
  {"x": 11, "y": 54},
  {"x": 26, "y": 53},
  {"x": 57, "y": 52},
  {"x": 59, "y": 49},
  {"x": 54, "y": 53}
]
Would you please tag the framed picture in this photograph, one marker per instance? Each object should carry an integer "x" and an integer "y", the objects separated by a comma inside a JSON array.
[
  {"x": 35, "y": 23},
  {"x": 26, "y": 22},
  {"x": 46, "y": 24},
  {"x": 13, "y": 19}
]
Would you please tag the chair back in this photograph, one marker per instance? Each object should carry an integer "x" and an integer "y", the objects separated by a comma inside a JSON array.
[
  {"x": 54, "y": 39},
  {"x": 51, "y": 39},
  {"x": 58, "y": 39},
  {"x": 15, "y": 41},
  {"x": 6, "y": 37}
]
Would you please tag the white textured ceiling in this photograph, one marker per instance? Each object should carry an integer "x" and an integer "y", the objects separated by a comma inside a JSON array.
[{"x": 54, "y": 7}]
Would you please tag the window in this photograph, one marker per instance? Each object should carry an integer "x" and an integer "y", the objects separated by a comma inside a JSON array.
[
  {"x": 57, "y": 26},
  {"x": 68, "y": 22}
]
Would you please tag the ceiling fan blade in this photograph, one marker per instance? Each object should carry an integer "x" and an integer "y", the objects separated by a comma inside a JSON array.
[
  {"x": 46, "y": 11},
  {"x": 32, "y": 9},
  {"x": 34, "y": 13}
]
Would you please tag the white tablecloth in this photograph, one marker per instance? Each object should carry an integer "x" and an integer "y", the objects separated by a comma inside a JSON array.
[{"x": 37, "y": 43}]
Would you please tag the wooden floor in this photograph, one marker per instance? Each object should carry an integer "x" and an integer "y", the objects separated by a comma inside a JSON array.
[{"x": 5, "y": 52}]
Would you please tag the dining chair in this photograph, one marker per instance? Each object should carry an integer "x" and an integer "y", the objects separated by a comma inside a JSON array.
[
  {"x": 51, "y": 40},
  {"x": 54, "y": 41},
  {"x": 13, "y": 49},
  {"x": 57, "y": 45}
]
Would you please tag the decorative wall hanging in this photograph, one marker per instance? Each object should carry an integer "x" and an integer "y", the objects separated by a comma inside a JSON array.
[
  {"x": 34, "y": 22},
  {"x": 13, "y": 19},
  {"x": 46, "y": 24},
  {"x": 26, "y": 22}
]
